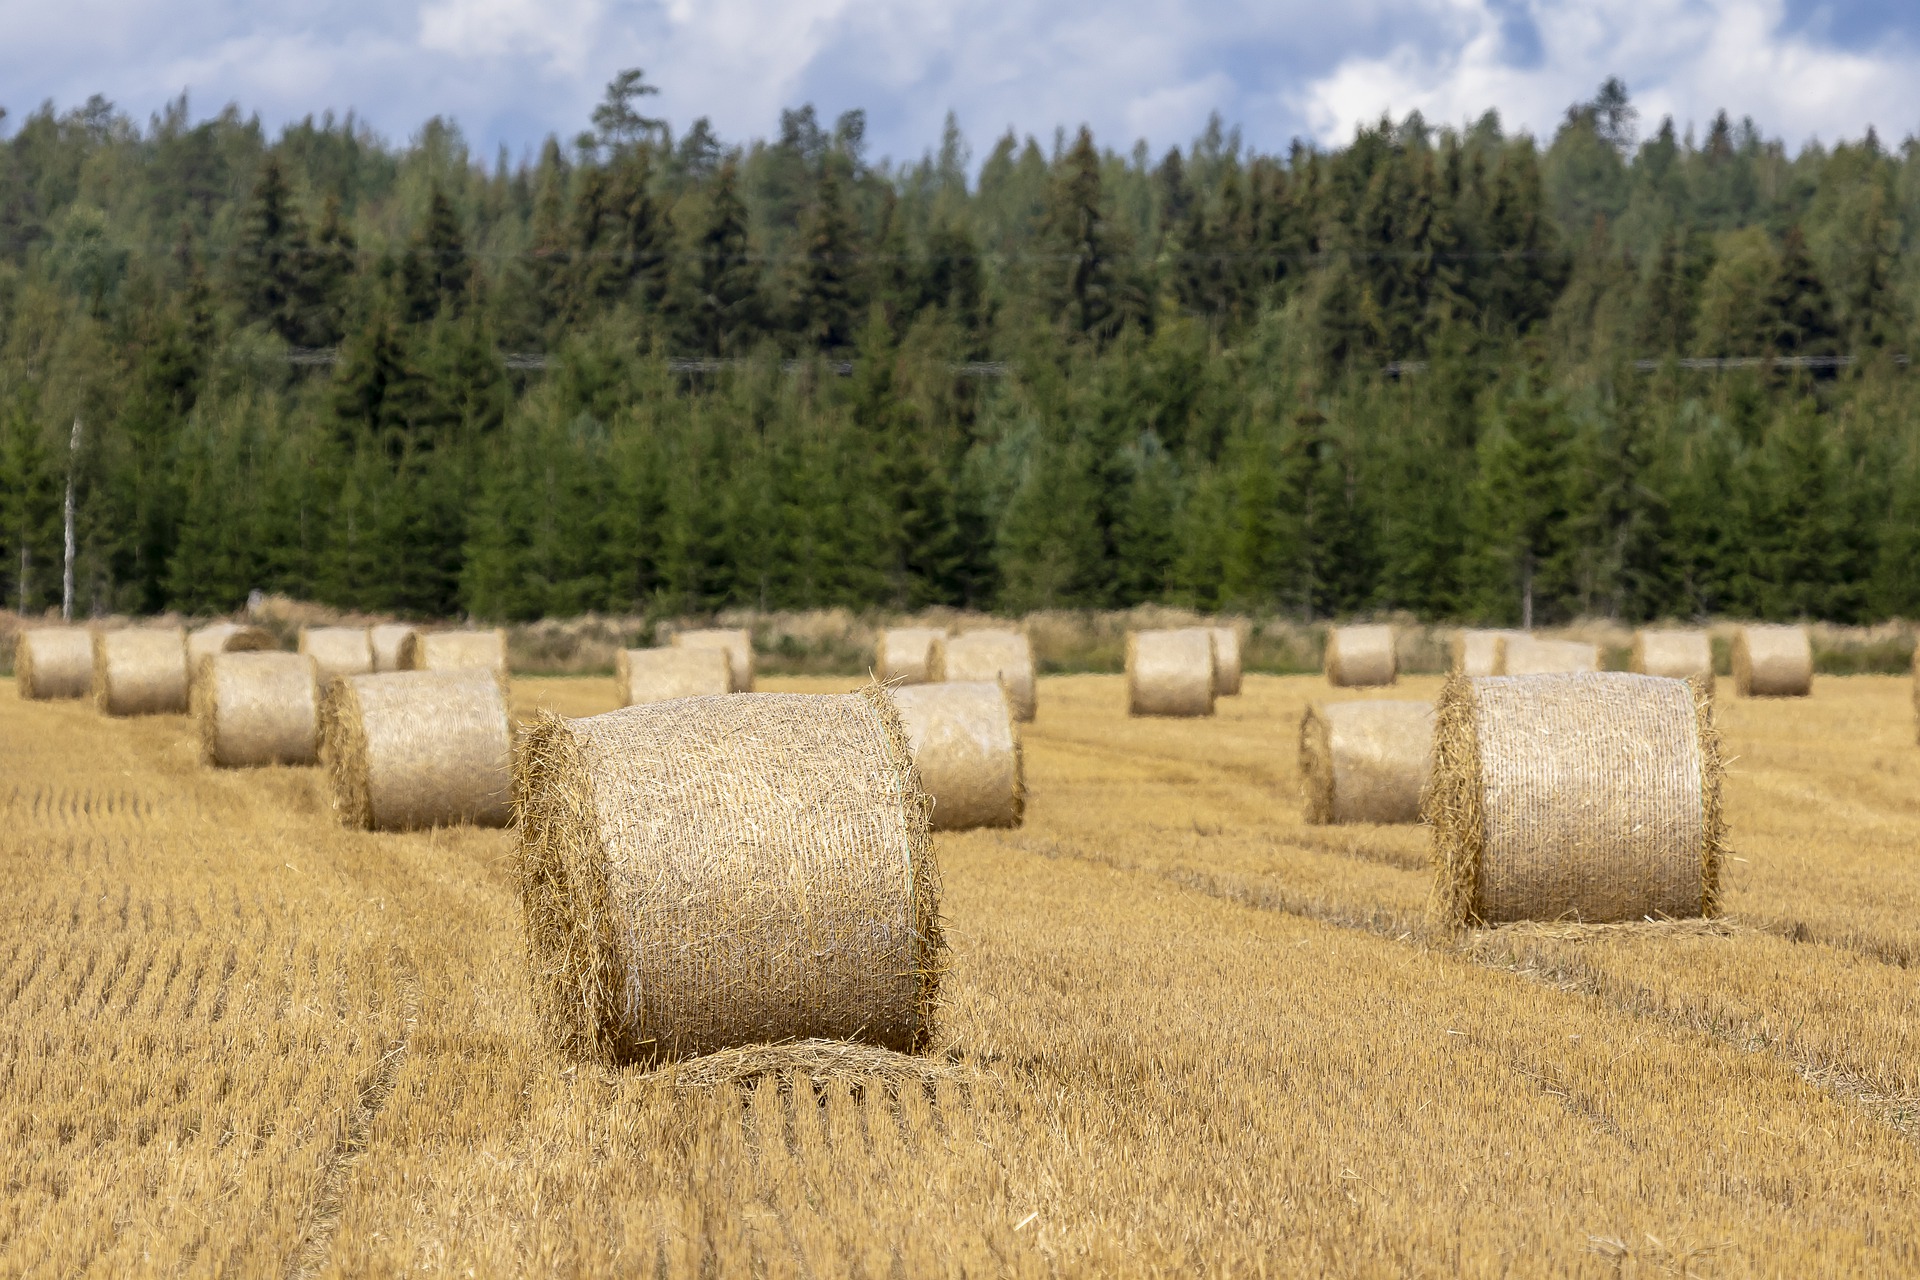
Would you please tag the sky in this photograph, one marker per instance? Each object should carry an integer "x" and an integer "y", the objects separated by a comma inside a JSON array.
[{"x": 512, "y": 71}]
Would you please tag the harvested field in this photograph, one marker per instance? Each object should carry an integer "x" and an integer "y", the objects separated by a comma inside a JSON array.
[{"x": 1183, "y": 1032}]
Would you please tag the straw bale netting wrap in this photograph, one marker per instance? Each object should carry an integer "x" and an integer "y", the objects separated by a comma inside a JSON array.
[
  {"x": 967, "y": 751},
  {"x": 1365, "y": 761},
  {"x": 54, "y": 662},
  {"x": 1360, "y": 657},
  {"x": 1587, "y": 797},
  {"x": 456, "y": 651},
  {"x": 408, "y": 749},
  {"x": 1772, "y": 662},
  {"x": 1226, "y": 661},
  {"x": 1170, "y": 673},
  {"x": 660, "y": 675},
  {"x": 1006, "y": 656},
  {"x": 1682, "y": 654},
  {"x": 736, "y": 642},
  {"x": 716, "y": 872},
  {"x": 1476, "y": 653},
  {"x": 337, "y": 651},
  {"x": 141, "y": 671},
  {"x": 224, "y": 637},
  {"x": 1524, "y": 655},
  {"x": 257, "y": 709},
  {"x": 389, "y": 642},
  {"x": 908, "y": 655}
]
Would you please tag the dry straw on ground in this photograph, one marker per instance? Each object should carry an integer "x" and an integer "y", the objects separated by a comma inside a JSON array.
[
  {"x": 1584, "y": 797},
  {"x": 54, "y": 662},
  {"x": 409, "y": 749},
  {"x": 908, "y": 655},
  {"x": 1772, "y": 662},
  {"x": 1524, "y": 655},
  {"x": 1170, "y": 673},
  {"x": 1006, "y": 656},
  {"x": 1226, "y": 661},
  {"x": 715, "y": 872},
  {"x": 1476, "y": 653},
  {"x": 389, "y": 641},
  {"x": 141, "y": 671},
  {"x": 1360, "y": 657},
  {"x": 1365, "y": 761},
  {"x": 967, "y": 751},
  {"x": 255, "y": 709},
  {"x": 737, "y": 642},
  {"x": 456, "y": 651},
  {"x": 1684, "y": 654},
  {"x": 661, "y": 675},
  {"x": 224, "y": 637},
  {"x": 337, "y": 651}
]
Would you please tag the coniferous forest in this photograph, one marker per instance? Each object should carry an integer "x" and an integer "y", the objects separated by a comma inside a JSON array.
[{"x": 1470, "y": 373}]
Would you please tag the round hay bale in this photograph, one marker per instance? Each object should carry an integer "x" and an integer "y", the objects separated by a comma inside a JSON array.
[
  {"x": 714, "y": 872},
  {"x": 1524, "y": 655},
  {"x": 1476, "y": 653},
  {"x": 257, "y": 709},
  {"x": 1365, "y": 761},
  {"x": 1772, "y": 662},
  {"x": 141, "y": 671},
  {"x": 1591, "y": 797},
  {"x": 1170, "y": 673},
  {"x": 54, "y": 662},
  {"x": 1360, "y": 657},
  {"x": 389, "y": 640},
  {"x": 1226, "y": 661},
  {"x": 337, "y": 651},
  {"x": 225, "y": 637},
  {"x": 408, "y": 749},
  {"x": 1006, "y": 656},
  {"x": 967, "y": 751},
  {"x": 661, "y": 675},
  {"x": 908, "y": 655},
  {"x": 736, "y": 641},
  {"x": 456, "y": 651},
  {"x": 1681, "y": 654}
]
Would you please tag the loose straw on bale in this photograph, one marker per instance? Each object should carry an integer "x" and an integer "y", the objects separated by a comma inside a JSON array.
[
  {"x": 54, "y": 662},
  {"x": 337, "y": 651},
  {"x": 660, "y": 675},
  {"x": 967, "y": 751},
  {"x": 1360, "y": 657},
  {"x": 1476, "y": 653},
  {"x": 1524, "y": 655},
  {"x": 1588, "y": 797},
  {"x": 257, "y": 709},
  {"x": 1226, "y": 661},
  {"x": 141, "y": 671},
  {"x": 738, "y": 645},
  {"x": 408, "y": 749},
  {"x": 1006, "y": 656},
  {"x": 714, "y": 872},
  {"x": 1684, "y": 655},
  {"x": 224, "y": 637},
  {"x": 908, "y": 655},
  {"x": 1772, "y": 662},
  {"x": 1365, "y": 761},
  {"x": 389, "y": 640},
  {"x": 1170, "y": 673}
]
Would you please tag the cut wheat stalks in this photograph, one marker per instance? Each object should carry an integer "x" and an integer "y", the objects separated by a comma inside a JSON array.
[
  {"x": 1477, "y": 653},
  {"x": 389, "y": 641},
  {"x": 1525, "y": 655},
  {"x": 737, "y": 642},
  {"x": 661, "y": 675},
  {"x": 1360, "y": 657},
  {"x": 456, "y": 651},
  {"x": 54, "y": 662},
  {"x": 1365, "y": 761},
  {"x": 255, "y": 709},
  {"x": 337, "y": 651},
  {"x": 1681, "y": 654},
  {"x": 1772, "y": 662},
  {"x": 967, "y": 750},
  {"x": 410, "y": 749},
  {"x": 1170, "y": 673},
  {"x": 989, "y": 655},
  {"x": 1226, "y": 661},
  {"x": 908, "y": 655},
  {"x": 141, "y": 671}
]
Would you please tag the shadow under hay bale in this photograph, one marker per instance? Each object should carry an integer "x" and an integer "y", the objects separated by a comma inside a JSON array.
[
  {"x": 1772, "y": 662},
  {"x": 256, "y": 709},
  {"x": 661, "y": 675},
  {"x": 714, "y": 872},
  {"x": 224, "y": 637},
  {"x": 1680, "y": 654},
  {"x": 1477, "y": 653},
  {"x": 388, "y": 641},
  {"x": 735, "y": 642},
  {"x": 818, "y": 1064},
  {"x": 908, "y": 655},
  {"x": 1170, "y": 673},
  {"x": 337, "y": 651},
  {"x": 141, "y": 671},
  {"x": 1361, "y": 657},
  {"x": 1365, "y": 761},
  {"x": 54, "y": 662},
  {"x": 990, "y": 655},
  {"x": 410, "y": 749},
  {"x": 1589, "y": 797},
  {"x": 967, "y": 751},
  {"x": 1226, "y": 661},
  {"x": 1525, "y": 655},
  {"x": 456, "y": 651}
]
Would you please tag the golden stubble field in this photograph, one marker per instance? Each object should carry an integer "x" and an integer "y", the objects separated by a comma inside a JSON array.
[{"x": 1184, "y": 1034}]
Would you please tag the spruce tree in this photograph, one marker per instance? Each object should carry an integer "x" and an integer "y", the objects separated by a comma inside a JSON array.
[
  {"x": 271, "y": 259},
  {"x": 1080, "y": 271},
  {"x": 720, "y": 286},
  {"x": 821, "y": 302}
]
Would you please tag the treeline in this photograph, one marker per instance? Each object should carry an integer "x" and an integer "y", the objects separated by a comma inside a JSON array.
[{"x": 1409, "y": 373}]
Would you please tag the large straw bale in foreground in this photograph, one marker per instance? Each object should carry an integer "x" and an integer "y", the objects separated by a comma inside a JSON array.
[
  {"x": 141, "y": 671},
  {"x": 337, "y": 651},
  {"x": 1226, "y": 661},
  {"x": 661, "y": 675},
  {"x": 967, "y": 751},
  {"x": 389, "y": 642},
  {"x": 1006, "y": 656},
  {"x": 1772, "y": 662},
  {"x": 908, "y": 655},
  {"x": 407, "y": 749},
  {"x": 1170, "y": 673},
  {"x": 736, "y": 642},
  {"x": 724, "y": 871},
  {"x": 54, "y": 662},
  {"x": 1591, "y": 797},
  {"x": 456, "y": 651},
  {"x": 1360, "y": 657},
  {"x": 1365, "y": 761},
  {"x": 1524, "y": 655},
  {"x": 1477, "y": 653},
  {"x": 224, "y": 637},
  {"x": 1681, "y": 654},
  {"x": 256, "y": 709}
]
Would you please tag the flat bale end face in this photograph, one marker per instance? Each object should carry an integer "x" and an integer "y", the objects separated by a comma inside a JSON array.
[
  {"x": 1171, "y": 673},
  {"x": 967, "y": 750},
  {"x": 141, "y": 671},
  {"x": 1361, "y": 657},
  {"x": 1772, "y": 662}
]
